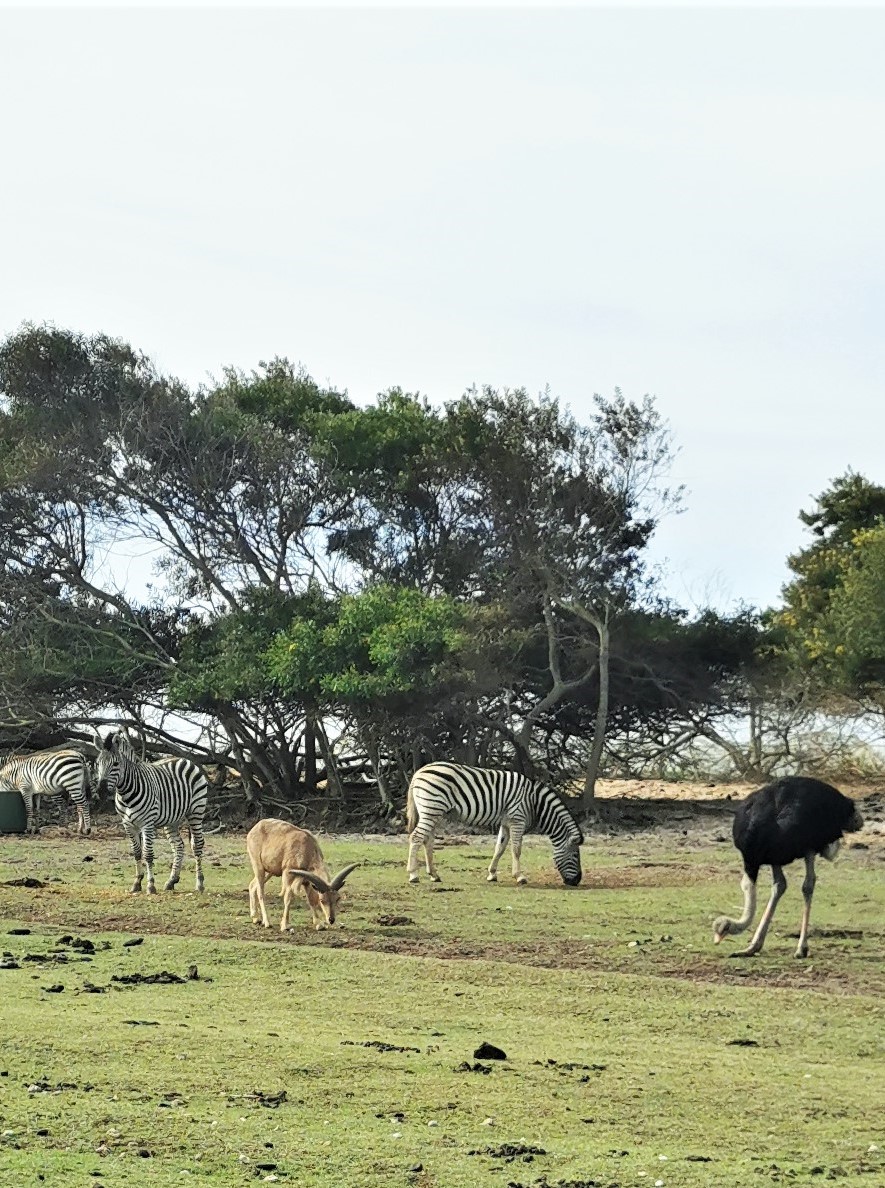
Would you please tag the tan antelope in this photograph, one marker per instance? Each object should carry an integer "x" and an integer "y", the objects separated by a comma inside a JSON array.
[{"x": 276, "y": 848}]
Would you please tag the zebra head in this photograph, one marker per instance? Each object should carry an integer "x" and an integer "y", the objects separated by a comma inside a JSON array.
[
  {"x": 115, "y": 750},
  {"x": 567, "y": 858},
  {"x": 555, "y": 819}
]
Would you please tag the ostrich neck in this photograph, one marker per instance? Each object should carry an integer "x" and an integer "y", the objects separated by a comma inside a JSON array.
[{"x": 749, "y": 889}]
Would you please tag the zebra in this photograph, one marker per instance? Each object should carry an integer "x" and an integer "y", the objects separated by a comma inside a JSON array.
[
  {"x": 168, "y": 793},
  {"x": 486, "y": 796},
  {"x": 49, "y": 773}
]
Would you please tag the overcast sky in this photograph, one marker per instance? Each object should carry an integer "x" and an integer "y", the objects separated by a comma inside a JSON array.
[{"x": 681, "y": 202}]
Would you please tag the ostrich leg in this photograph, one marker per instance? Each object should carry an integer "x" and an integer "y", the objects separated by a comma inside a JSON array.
[
  {"x": 808, "y": 892},
  {"x": 778, "y": 887}
]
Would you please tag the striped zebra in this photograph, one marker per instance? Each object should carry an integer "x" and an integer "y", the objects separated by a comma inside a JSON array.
[
  {"x": 49, "y": 773},
  {"x": 167, "y": 794},
  {"x": 485, "y": 796}
]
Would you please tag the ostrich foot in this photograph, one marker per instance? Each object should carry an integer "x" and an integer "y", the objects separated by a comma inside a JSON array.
[{"x": 745, "y": 953}]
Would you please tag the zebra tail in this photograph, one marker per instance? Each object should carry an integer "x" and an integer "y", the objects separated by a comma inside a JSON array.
[{"x": 411, "y": 812}]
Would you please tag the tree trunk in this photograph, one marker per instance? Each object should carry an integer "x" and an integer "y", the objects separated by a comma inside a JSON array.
[
  {"x": 310, "y": 753},
  {"x": 588, "y": 794},
  {"x": 333, "y": 778}
]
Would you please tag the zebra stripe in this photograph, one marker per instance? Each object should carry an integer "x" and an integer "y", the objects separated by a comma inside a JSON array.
[
  {"x": 505, "y": 800},
  {"x": 49, "y": 773},
  {"x": 167, "y": 794}
]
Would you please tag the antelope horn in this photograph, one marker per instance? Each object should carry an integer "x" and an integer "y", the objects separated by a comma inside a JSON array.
[
  {"x": 314, "y": 879},
  {"x": 338, "y": 881}
]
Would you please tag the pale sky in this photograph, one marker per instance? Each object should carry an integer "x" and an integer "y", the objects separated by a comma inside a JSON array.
[{"x": 683, "y": 202}]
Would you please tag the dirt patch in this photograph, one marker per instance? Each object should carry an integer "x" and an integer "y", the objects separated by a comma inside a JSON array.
[{"x": 378, "y": 1045}]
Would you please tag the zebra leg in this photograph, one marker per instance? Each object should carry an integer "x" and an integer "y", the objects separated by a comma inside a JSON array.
[
  {"x": 419, "y": 835},
  {"x": 136, "y": 849},
  {"x": 500, "y": 847},
  {"x": 516, "y": 852},
  {"x": 84, "y": 820},
  {"x": 197, "y": 844},
  {"x": 428, "y": 854},
  {"x": 30, "y": 823},
  {"x": 149, "y": 833},
  {"x": 177, "y": 857},
  {"x": 412, "y": 863}
]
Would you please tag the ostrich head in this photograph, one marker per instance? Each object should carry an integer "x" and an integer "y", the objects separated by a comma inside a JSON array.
[{"x": 723, "y": 926}]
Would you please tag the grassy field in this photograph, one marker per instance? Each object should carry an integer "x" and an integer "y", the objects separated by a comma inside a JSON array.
[{"x": 637, "y": 1053}]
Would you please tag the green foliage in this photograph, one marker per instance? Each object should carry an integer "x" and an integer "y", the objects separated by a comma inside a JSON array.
[
  {"x": 281, "y": 395},
  {"x": 439, "y": 571},
  {"x": 222, "y": 659},
  {"x": 857, "y": 614},
  {"x": 832, "y": 623},
  {"x": 54, "y": 650},
  {"x": 370, "y": 649}
]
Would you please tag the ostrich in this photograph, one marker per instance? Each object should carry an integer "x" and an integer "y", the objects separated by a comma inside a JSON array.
[{"x": 794, "y": 817}]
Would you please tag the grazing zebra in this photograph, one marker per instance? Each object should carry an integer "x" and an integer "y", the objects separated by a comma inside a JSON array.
[
  {"x": 483, "y": 796},
  {"x": 49, "y": 773},
  {"x": 167, "y": 794}
]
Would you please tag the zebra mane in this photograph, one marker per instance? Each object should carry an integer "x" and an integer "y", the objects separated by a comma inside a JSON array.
[{"x": 553, "y": 802}]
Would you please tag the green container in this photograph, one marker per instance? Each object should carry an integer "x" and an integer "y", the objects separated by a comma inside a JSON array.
[{"x": 13, "y": 818}]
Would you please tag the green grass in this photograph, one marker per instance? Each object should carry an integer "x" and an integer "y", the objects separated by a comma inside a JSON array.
[{"x": 629, "y": 1037}]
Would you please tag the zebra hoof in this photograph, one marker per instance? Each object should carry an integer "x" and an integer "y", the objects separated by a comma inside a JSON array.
[
  {"x": 152, "y": 889},
  {"x": 434, "y": 878},
  {"x": 414, "y": 880},
  {"x": 170, "y": 886},
  {"x": 521, "y": 881},
  {"x": 135, "y": 889},
  {"x": 491, "y": 878}
]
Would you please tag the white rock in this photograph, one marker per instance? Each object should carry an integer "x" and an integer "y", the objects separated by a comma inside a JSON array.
[
  {"x": 433, "y": 1122},
  {"x": 488, "y": 1121}
]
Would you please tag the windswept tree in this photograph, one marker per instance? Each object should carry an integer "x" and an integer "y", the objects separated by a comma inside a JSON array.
[
  {"x": 455, "y": 580},
  {"x": 831, "y": 625},
  {"x": 102, "y": 455},
  {"x": 571, "y": 509},
  {"x": 390, "y": 661}
]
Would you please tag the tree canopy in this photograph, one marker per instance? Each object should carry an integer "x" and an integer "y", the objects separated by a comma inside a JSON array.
[{"x": 318, "y": 577}]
